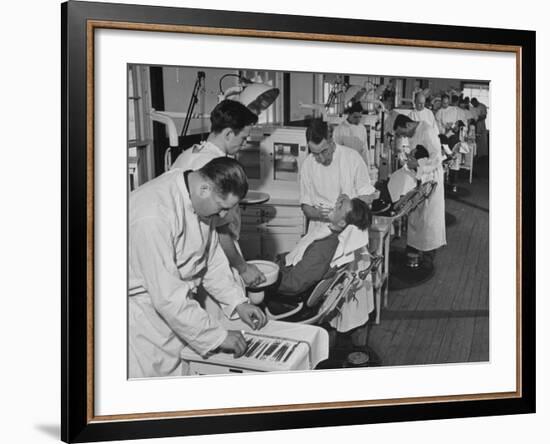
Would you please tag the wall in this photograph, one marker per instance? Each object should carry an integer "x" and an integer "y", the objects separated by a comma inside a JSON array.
[
  {"x": 178, "y": 88},
  {"x": 301, "y": 91}
]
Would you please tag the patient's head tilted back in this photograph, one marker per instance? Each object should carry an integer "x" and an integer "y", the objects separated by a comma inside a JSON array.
[{"x": 350, "y": 212}]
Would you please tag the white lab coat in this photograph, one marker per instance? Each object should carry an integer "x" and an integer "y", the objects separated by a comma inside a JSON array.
[
  {"x": 171, "y": 252},
  {"x": 195, "y": 158},
  {"x": 446, "y": 116},
  {"x": 467, "y": 115},
  {"x": 321, "y": 185},
  {"x": 426, "y": 224},
  {"x": 425, "y": 115},
  {"x": 352, "y": 136}
]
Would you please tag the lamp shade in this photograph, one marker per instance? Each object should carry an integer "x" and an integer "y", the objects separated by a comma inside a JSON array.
[
  {"x": 257, "y": 96},
  {"x": 354, "y": 93}
]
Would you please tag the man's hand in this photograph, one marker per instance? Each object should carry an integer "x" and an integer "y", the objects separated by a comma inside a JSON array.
[
  {"x": 234, "y": 343},
  {"x": 412, "y": 163},
  {"x": 252, "y": 276},
  {"x": 324, "y": 213},
  {"x": 251, "y": 315}
]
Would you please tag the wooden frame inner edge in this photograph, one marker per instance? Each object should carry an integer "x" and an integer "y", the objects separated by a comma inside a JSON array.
[{"x": 90, "y": 28}]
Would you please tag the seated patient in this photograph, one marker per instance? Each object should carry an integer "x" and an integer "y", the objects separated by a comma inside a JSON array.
[{"x": 315, "y": 262}]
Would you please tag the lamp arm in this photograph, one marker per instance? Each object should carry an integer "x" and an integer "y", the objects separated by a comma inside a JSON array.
[{"x": 192, "y": 102}]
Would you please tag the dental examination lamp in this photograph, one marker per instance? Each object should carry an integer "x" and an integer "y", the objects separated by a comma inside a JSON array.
[
  {"x": 256, "y": 96},
  {"x": 356, "y": 93}
]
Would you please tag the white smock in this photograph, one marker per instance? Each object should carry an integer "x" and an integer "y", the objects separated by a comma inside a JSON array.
[
  {"x": 354, "y": 137},
  {"x": 447, "y": 116},
  {"x": 426, "y": 224},
  {"x": 426, "y": 115},
  {"x": 171, "y": 252},
  {"x": 321, "y": 185},
  {"x": 195, "y": 158}
]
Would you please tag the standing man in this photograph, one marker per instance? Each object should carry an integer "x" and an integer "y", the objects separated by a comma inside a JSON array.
[
  {"x": 329, "y": 171},
  {"x": 174, "y": 249},
  {"x": 467, "y": 113},
  {"x": 352, "y": 133},
  {"x": 426, "y": 225},
  {"x": 479, "y": 111},
  {"x": 447, "y": 115},
  {"x": 421, "y": 113},
  {"x": 231, "y": 122}
]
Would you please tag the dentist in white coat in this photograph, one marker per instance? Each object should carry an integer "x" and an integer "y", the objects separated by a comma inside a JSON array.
[
  {"x": 174, "y": 249},
  {"x": 230, "y": 125},
  {"x": 426, "y": 225}
]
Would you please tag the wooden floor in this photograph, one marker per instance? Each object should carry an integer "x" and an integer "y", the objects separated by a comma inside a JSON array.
[{"x": 446, "y": 319}]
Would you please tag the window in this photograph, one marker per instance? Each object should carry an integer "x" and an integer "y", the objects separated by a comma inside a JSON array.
[
  {"x": 481, "y": 92},
  {"x": 139, "y": 164}
]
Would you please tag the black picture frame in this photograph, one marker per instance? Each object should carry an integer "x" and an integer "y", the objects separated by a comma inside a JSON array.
[{"x": 78, "y": 423}]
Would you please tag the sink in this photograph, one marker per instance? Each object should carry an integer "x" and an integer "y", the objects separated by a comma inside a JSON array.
[{"x": 254, "y": 198}]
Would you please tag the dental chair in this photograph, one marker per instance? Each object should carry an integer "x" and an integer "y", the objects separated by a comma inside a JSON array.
[{"x": 324, "y": 301}]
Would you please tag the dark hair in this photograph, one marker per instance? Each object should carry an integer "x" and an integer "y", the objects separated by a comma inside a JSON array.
[
  {"x": 401, "y": 121},
  {"x": 317, "y": 131},
  {"x": 474, "y": 101},
  {"x": 454, "y": 99},
  {"x": 231, "y": 114},
  {"x": 227, "y": 175},
  {"x": 359, "y": 215},
  {"x": 420, "y": 152},
  {"x": 444, "y": 96},
  {"x": 355, "y": 107}
]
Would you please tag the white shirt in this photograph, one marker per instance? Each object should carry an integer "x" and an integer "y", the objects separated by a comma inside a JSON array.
[
  {"x": 352, "y": 136},
  {"x": 445, "y": 116},
  {"x": 171, "y": 252},
  {"x": 467, "y": 114},
  {"x": 321, "y": 185},
  {"x": 427, "y": 136},
  {"x": 347, "y": 173},
  {"x": 426, "y": 224},
  {"x": 425, "y": 115},
  {"x": 195, "y": 158}
]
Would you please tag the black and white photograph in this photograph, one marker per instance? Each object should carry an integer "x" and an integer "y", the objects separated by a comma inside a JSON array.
[
  {"x": 288, "y": 220},
  {"x": 276, "y": 221}
]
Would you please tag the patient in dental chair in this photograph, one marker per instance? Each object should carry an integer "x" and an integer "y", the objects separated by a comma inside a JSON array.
[{"x": 313, "y": 259}]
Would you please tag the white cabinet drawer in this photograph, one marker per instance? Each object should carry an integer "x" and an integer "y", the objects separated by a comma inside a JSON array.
[{"x": 282, "y": 211}]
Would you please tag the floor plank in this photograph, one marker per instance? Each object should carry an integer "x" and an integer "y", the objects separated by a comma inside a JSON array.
[{"x": 446, "y": 319}]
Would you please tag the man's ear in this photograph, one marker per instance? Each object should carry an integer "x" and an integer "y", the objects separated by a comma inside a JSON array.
[
  {"x": 205, "y": 190},
  {"x": 227, "y": 133}
]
